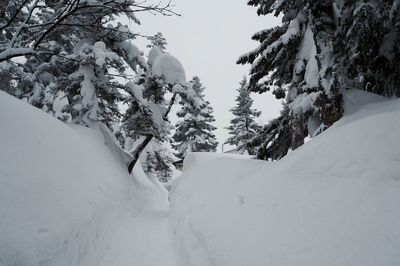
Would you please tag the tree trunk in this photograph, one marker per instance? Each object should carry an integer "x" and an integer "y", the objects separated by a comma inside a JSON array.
[
  {"x": 146, "y": 141},
  {"x": 137, "y": 153}
]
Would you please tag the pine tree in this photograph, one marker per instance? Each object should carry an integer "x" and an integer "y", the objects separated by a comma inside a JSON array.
[
  {"x": 159, "y": 41},
  {"x": 158, "y": 161},
  {"x": 321, "y": 49},
  {"x": 79, "y": 49},
  {"x": 93, "y": 95},
  {"x": 194, "y": 132},
  {"x": 243, "y": 127},
  {"x": 370, "y": 46},
  {"x": 28, "y": 24},
  {"x": 147, "y": 115},
  {"x": 148, "y": 104},
  {"x": 296, "y": 61}
]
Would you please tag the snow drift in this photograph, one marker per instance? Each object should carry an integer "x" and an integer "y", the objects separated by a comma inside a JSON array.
[
  {"x": 334, "y": 201},
  {"x": 62, "y": 191}
]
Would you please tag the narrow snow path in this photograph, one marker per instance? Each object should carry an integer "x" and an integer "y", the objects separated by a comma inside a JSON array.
[{"x": 142, "y": 240}]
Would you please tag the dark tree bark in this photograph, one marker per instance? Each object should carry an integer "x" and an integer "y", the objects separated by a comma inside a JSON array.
[
  {"x": 146, "y": 141},
  {"x": 137, "y": 153}
]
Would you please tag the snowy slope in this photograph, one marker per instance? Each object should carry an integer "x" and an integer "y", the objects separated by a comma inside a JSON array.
[
  {"x": 63, "y": 194},
  {"x": 334, "y": 201}
]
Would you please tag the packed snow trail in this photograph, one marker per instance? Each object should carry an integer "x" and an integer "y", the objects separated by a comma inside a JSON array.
[{"x": 143, "y": 239}]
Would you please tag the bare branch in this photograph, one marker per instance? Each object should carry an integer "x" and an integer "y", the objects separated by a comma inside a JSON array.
[
  {"x": 14, "y": 16},
  {"x": 73, "y": 8},
  {"x": 30, "y": 11}
]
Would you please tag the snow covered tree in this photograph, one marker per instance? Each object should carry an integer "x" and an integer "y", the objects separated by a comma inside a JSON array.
[
  {"x": 243, "y": 127},
  {"x": 369, "y": 44},
  {"x": 148, "y": 105},
  {"x": 79, "y": 49},
  {"x": 158, "y": 161},
  {"x": 159, "y": 41},
  {"x": 321, "y": 49},
  {"x": 194, "y": 132},
  {"x": 77, "y": 53},
  {"x": 27, "y": 24},
  {"x": 275, "y": 139},
  {"x": 296, "y": 61},
  {"x": 147, "y": 116}
]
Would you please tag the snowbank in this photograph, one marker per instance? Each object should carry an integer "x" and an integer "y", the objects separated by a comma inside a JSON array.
[
  {"x": 62, "y": 191},
  {"x": 334, "y": 201}
]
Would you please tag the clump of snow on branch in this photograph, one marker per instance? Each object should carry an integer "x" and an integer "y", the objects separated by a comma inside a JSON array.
[{"x": 169, "y": 69}]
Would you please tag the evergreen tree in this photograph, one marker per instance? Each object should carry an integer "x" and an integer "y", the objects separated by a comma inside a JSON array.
[
  {"x": 158, "y": 161},
  {"x": 194, "y": 132},
  {"x": 147, "y": 115},
  {"x": 92, "y": 95},
  {"x": 369, "y": 44},
  {"x": 159, "y": 41},
  {"x": 243, "y": 128},
  {"x": 295, "y": 60},
  {"x": 79, "y": 49},
  {"x": 28, "y": 24},
  {"x": 321, "y": 48},
  {"x": 148, "y": 103}
]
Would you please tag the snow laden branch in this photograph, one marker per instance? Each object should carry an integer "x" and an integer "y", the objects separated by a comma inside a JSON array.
[
  {"x": 26, "y": 25},
  {"x": 135, "y": 157},
  {"x": 148, "y": 114},
  {"x": 113, "y": 145}
]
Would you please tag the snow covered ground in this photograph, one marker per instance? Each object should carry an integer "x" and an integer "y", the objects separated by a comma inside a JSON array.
[
  {"x": 65, "y": 198},
  {"x": 334, "y": 201},
  {"x": 143, "y": 240}
]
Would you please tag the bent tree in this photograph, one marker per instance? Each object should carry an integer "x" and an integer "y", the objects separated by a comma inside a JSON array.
[{"x": 78, "y": 57}]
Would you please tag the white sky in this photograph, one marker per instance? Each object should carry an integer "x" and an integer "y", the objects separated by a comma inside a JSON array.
[{"x": 208, "y": 39}]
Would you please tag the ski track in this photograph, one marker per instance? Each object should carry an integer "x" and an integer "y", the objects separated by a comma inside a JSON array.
[{"x": 143, "y": 239}]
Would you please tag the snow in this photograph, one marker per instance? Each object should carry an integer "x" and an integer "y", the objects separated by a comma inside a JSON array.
[
  {"x": 169, "y": 69},
  {"x": 88, "y": 93},
  {"x": 389, "y": 42},
  {"x": 12, "y": 52},
  {"x": 101, "y": 54},
  {"x": 154, "y": 241},
  {"x": 333, "y": 201},
  {"x": 130, "y": 49},
  {"x": 278, "y": 4},
  {"x": 307, "y": 52},
  {"x": 303, "y": 102},
  {"x": 292, "y": 31},
  {"x": 395, "y": 9},
  {"x": 65, "y": 196},
  {"x": 153, "y": 54}
]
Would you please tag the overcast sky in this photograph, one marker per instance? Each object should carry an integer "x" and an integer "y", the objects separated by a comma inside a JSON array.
[{"x": 208, "y": 39}]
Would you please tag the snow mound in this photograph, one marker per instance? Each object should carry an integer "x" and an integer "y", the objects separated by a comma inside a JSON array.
[
  {"x": 153, "y": 54},
  {"x": 62, "y": 190},
  {"x": 169, "y": 69},
  {"x": 334, "y": 201}
]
